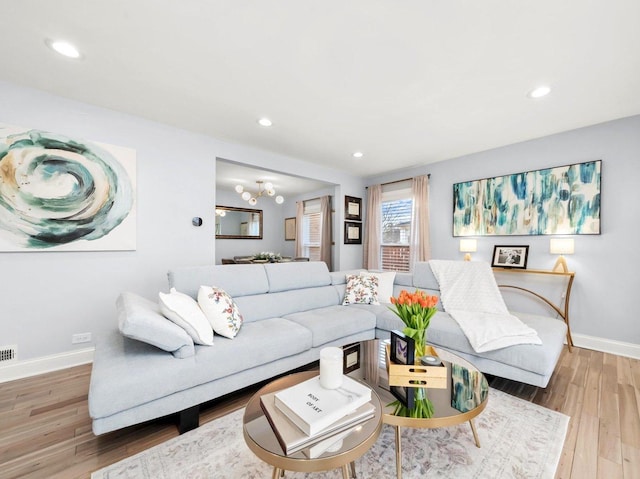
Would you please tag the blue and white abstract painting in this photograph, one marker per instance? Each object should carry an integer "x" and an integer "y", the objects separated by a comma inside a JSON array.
[
  {"x": 561, "y": 200},
  {"x": 65, "y": 194}
]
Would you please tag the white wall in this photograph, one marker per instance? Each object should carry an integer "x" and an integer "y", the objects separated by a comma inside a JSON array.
[
  {"x": 46, "y": 297},
  {"x": 603, "y": 299}
]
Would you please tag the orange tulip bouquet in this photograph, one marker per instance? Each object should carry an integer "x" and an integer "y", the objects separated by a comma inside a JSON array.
[{"x": 415, "y": 310}]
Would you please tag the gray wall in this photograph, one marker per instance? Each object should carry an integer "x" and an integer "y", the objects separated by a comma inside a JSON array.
[
  {"x": 46, "y": 297},
  {"x": 603, "y": 299}
]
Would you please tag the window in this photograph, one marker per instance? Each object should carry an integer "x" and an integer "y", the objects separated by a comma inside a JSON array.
[
  {"x": 311, "y": 230},
  {"x": 396, "y": 226}
]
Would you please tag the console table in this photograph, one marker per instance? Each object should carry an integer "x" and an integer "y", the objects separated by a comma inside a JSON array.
[{"x": 563, "y": 312}]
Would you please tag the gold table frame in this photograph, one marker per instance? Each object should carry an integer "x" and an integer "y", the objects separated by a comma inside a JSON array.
[
  {"x": 566, "y": 296},
  {"x": 431, "y": 423},
  {"x": 269, "y": 451}
]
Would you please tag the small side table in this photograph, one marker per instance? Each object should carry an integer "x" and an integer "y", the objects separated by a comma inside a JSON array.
[
  {"x": 564, "y": 312},
  {"x": 445, "y": 414},
  {"x": 262, "y": 440}
]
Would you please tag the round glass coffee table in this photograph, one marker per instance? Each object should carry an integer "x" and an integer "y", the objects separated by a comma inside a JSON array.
[
  {"x": 463, "y": 396},
  {"x": 261, "y": 439}
]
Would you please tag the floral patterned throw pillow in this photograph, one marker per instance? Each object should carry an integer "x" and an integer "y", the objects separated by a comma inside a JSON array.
[
  {"x": 361, "y": 290},
  {"x": 221, "y": 311}
]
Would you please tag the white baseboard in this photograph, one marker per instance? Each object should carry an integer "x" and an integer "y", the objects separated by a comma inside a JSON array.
[
  {"x": 620, "y": 348},
  {"x": 45, "y": 364}
]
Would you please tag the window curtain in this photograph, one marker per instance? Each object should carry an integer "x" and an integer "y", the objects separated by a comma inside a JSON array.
[
  {"x": 420, "y": 244},
  {"x": 299, "y": 228},
  {"x": 373, "y": 228},
  {"x": 325, "y": 232}
]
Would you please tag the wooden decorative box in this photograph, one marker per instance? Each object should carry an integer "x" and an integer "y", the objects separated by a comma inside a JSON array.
[{"x": 417, "y": 375}]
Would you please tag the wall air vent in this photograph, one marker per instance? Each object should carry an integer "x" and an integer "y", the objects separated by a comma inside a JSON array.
[{"x": 8, "y": 353}]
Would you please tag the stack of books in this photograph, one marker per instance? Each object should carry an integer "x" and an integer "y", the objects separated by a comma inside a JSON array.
[{"x": 309, "y": 418}]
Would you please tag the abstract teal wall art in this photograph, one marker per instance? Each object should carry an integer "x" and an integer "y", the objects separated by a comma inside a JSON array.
[
  {"x": 563, "y": 200},
  {"x": 65, "y": 194}
]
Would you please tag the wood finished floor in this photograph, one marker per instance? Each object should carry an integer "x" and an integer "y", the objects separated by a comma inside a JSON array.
[{"x": 46, "y": 431}]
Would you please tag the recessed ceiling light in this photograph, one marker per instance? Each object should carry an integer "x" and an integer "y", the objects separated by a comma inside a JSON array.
[
  {"x": 539, "y": 92},
  {"x": 63, "y": 48},
  {"x": 358, "y": 154},
  {"x": 265, "y": 122}
]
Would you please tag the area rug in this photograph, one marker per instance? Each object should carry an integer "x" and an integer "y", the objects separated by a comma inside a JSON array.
[{"x": 519, "y": 440}]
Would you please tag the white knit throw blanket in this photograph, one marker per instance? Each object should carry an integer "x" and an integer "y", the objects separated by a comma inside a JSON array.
[{"x": 470, "y": 294}]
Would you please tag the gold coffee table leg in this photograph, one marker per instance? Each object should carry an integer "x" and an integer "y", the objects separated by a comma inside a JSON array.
[
  {"x": 353, "y": 469},
  {"x": 398, "y": 454},
  {"x": 276, "y": 473},
  {"x": 475, "y": 433},
  {"x": 345, "y": 471}
]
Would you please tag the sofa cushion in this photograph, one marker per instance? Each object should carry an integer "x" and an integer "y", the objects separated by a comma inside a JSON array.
[
  {"x": 141, "y": 319},
  {"x": 274, "y": 305},
  {"x": 385, "y": 318},
  {"x": 403, "y": 279},
  {"x": 423, "y": 277},
  {"x": 132, "y": 373},
  {"x": 334, "y": 322},
  {"x": 297, "y": 275},
  {"x": 220, "y": 310},
  {"x": 538, "y": 358},
  {"x": 235, "y": 279},
  {"x": 361, "y": 290},
  {"x": 185, "y": 312},
  {"x": 340, "y": 277}
]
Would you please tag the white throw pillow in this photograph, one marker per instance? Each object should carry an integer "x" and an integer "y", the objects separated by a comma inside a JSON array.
[
  {"x": 385, "y": 284},
  {"x": 221, "y": 311},
  {"x": 185, "y": 312},
  {"x": 361, "y": 290}
]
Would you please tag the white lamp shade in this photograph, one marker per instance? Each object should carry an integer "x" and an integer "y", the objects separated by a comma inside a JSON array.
[
  {"x": 268, "y": 186},
  {"x": 252, "y": 201},
  {"x": 246, "y": 196},
  {"x": 239, "y": 189},
  {"x": 279, "y": 199},
  {"x": 468, "y": 245},
  {"x": 561, "y": 246}
]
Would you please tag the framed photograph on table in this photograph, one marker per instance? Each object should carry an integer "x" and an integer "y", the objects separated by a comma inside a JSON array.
[
  {"x": 402, "y": 351},
  {"x": 351, "y": 360},
  {"x": 290, "y": 229},
  {"x": 510, "y": 256},
  {"x": 352, "y": 232},
  {"x": 352, "y": 208}
]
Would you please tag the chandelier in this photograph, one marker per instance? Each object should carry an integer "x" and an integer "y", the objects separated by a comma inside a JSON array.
[{"x": 263, "y": 189}]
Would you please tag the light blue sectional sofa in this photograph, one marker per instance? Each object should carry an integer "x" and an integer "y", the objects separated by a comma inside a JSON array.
[{"x": 291, "y": 311}]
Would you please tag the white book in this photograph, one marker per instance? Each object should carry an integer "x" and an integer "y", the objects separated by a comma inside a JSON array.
[
  {"x": 291, "y": 437},
  {"x": 313, "y": 408}
]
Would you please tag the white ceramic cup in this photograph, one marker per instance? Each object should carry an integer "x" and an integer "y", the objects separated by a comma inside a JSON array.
[{"x": 331, "y": 368}]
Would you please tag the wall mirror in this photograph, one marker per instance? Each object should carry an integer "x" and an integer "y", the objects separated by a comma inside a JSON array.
[{"x": 238, "y": 223}]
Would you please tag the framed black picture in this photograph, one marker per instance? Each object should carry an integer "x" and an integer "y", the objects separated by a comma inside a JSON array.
[
  {"x": 352, "y": 208},
  {"x": 402, "y": 351},
  {"x": 351, "y": 360},
  {"x": 406, "y": 396},
  {"x": 403, "y": 348},
  {"x": 352, "y": 232},
  {"x": 510, "y": 256}
]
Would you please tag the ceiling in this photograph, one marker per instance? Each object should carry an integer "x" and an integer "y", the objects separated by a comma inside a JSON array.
[{"x": 406, "y": 82}]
